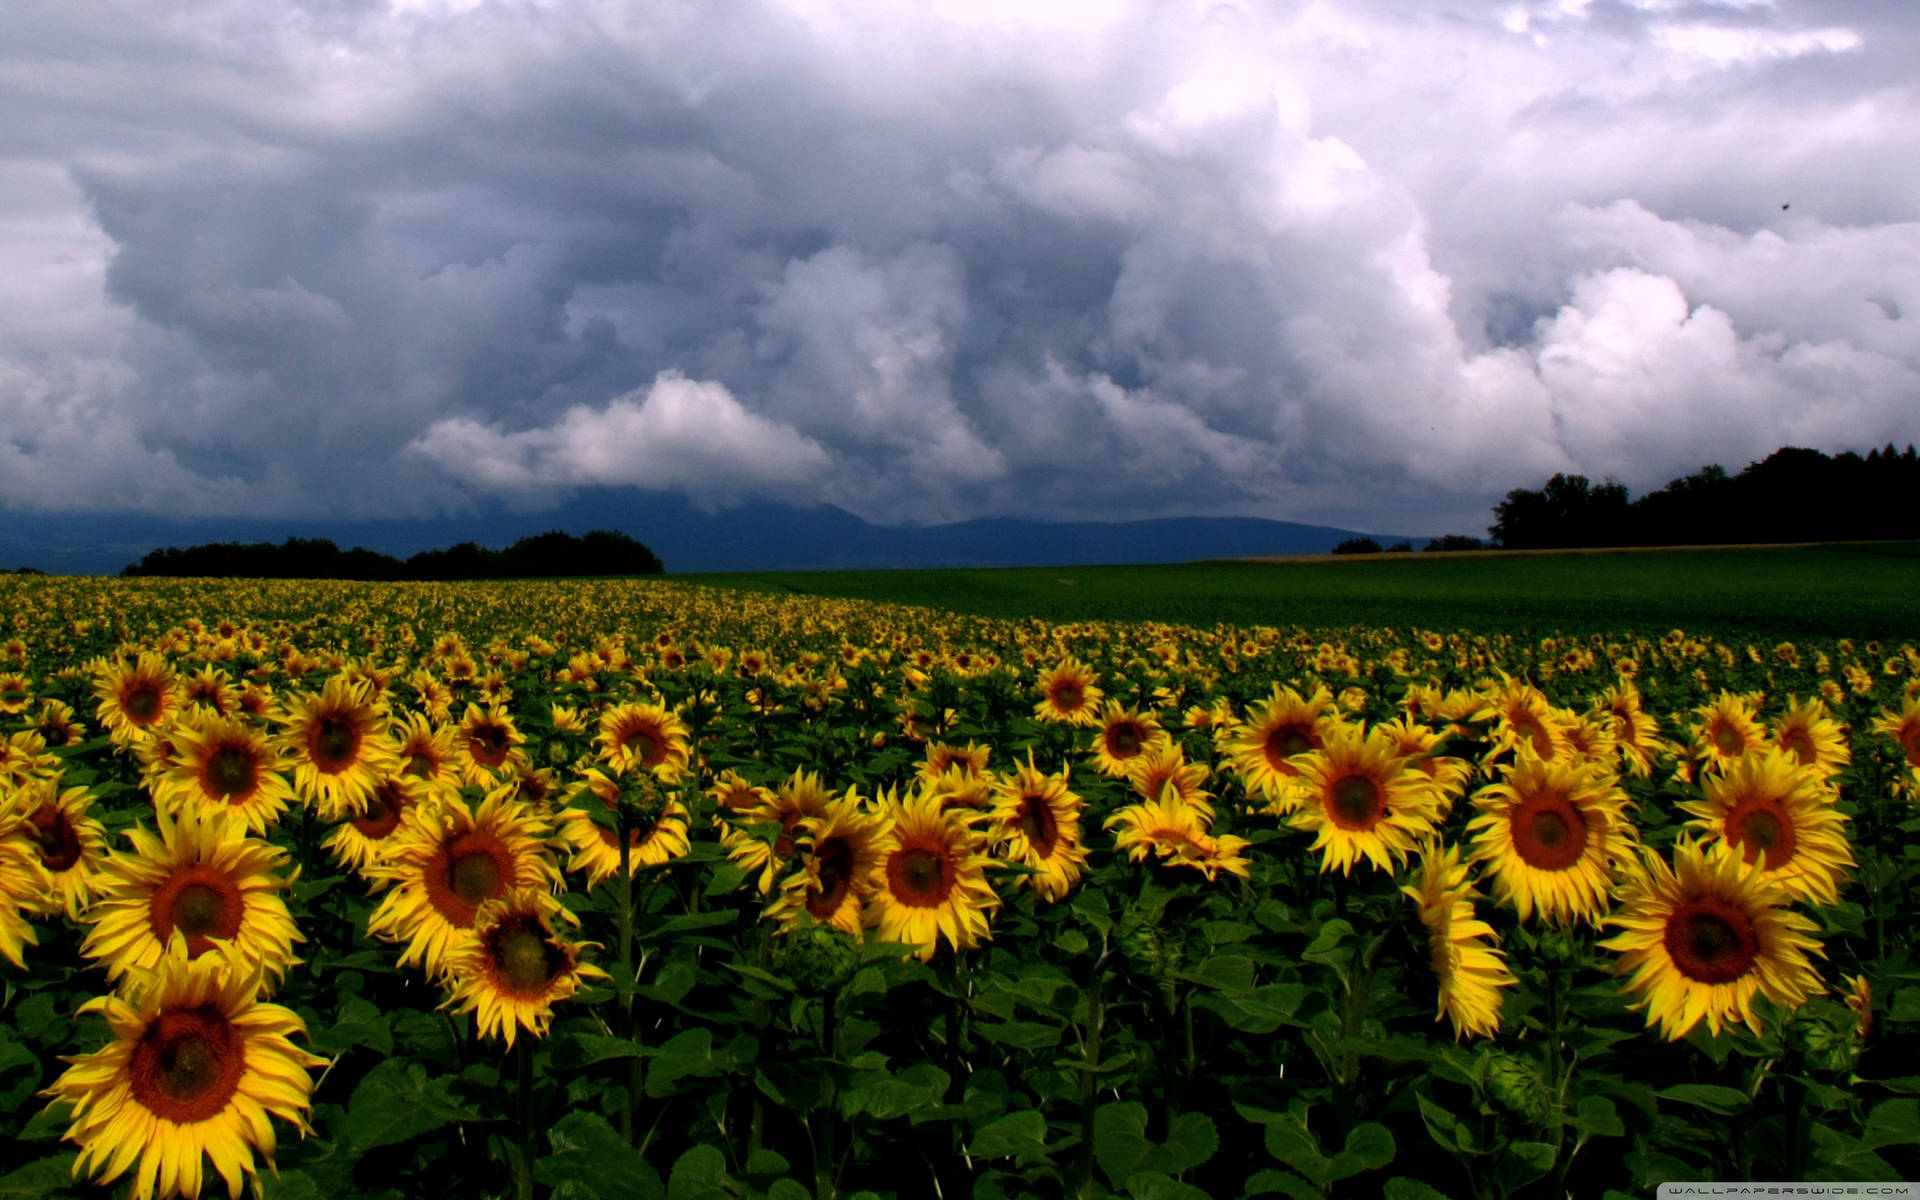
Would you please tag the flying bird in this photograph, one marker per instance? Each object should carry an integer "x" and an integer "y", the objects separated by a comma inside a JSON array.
[{"x": 1785, "y": 207}]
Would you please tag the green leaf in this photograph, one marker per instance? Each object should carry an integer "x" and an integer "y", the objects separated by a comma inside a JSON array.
[
  {"x": 40, "y": 1177},
  {"x": 19, "y": 1075},
  {"x": 289, "y": 1185},
  {"x": 1286, "y": 1183},
  {"x": 1120, "y": 1139},
  {"x": 687, "y": 1053},
  {"x": 359, "y": 1023},
  {"x": 1020, "y": 1135},
  {"x": 397, "y": 1102},
  {"x": 1596, "y": 1115},
  {"x": 1152, "y": 1185},
  {"x": 1190, "y": 1142},
  {"x": 1402, "y": 1188},
  {"x": 886, "y": 1097},
  {"x": 591, "y": 1161},
  {"x": 1892, "y": 1123},
  {"x": 1905, "y": 1006},
  {"x": 1031, "y": 1036},
  {"x": 1327, "y": 945},
  {"x": 1369, "y": 1147},
  {"x": 572, "y": 1051},
  {"x": 1723, "y": 1100},
  {"x": 699, "y": 1174}
]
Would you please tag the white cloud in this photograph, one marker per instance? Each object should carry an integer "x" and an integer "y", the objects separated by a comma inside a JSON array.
[{"x": 680, "y": 434}]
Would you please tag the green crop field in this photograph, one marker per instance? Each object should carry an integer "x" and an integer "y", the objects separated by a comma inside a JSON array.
[{"x": 1841, "y": 589}]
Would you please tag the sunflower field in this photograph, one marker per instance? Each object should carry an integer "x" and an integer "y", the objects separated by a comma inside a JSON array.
[{"x": 642, "y": 889}]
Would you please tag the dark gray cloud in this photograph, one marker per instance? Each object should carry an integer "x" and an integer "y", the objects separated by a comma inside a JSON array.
[{"x": 1369, "y": 263}]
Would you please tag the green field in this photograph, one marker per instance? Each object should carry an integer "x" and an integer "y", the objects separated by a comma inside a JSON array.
[{"x": 1861, "y": 589}]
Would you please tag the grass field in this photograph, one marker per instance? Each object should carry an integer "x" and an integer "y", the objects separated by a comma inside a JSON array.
[{"x": 1862, "y": 589}]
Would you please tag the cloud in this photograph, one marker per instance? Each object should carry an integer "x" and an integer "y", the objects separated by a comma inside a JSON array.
[
  {"x": 682, "y": 434},
  {"x": 1365, "y": 263}
]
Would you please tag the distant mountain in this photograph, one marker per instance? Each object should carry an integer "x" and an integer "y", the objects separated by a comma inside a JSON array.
[{"x": 757, "y": 537}]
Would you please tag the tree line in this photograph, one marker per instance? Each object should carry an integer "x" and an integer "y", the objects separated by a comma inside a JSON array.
[
  {"x": 1792, "y": 495},
  {"x": 543, "y": 556}
]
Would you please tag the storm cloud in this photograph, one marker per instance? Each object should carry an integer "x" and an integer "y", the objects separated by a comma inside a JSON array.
[{"x": 1368, "y": 263}]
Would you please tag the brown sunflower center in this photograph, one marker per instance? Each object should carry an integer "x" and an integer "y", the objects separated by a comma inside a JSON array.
[
  {"x": 834, "y": 864},
  {"x": 421, "y": 766},
  {"x": 474, "y": 877},
  {"x": 231, "y": 771},
  {"x": 919, "y": 876},
  {"x": 1038, "y": 824},
  {"x": 1285, "y": 742},
  {"x": 488, "y": 743},
  {"x": 1125, "y": 740},
  {"x": 187, "y": 1065},
  {"x": 1799, "y": 743},
  {"x": 642, "y": 745},
  {"x": 1067, "y": 696},
  {"x": 58, "y": 841},
  {"x": 200, "y": 902},
  {"x": 1761, "y": 827},
  {"x": 1356, "y": 802},
  {"x": 333, "y": 744},
  {"x": 524, "y": 960},
  {"x": 1528, "y": 726},
  {"x": 142, "y": 704},
  {"x": 1711, "y": 941},
  {"x": 1727, "y": 739},
  {"x": 1549, "y": 834},
  {"x": 384, "y": 809}
]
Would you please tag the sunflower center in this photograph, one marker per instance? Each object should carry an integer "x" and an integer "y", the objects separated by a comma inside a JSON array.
[
  {"x": 230, "y": 772},
  {"x": 187, "y": 1065},
  {"x": 1529, "y": 727},
  {"x": 142, "y": 705},
  {"x": 1799, "y": 743},
  {"x": 59, "y": 843},
  {"x": 1549, "y": 834},
  {"x": 1285, "y": 742},
  {"x": 333, "y": 744},
  {"x": 382, "y": 815},
  {"x": 200, "y": 903},
  {"x": 1067, "y": 696},
  {"x": 1037, "y": 823},
  {"x": 525, "y": 961},
  {"x": 474, "y": 877},
  {"x": 642, "y": 746},
  {"x": 1760, "y": 827},
  {"x": 1727, "y": 739},
  {"x": 834, "y": 863},
  {"x": 919, "y": 876},
  {"x": 1125, "y": 740},
  {"x": 1711, "y": 941},
  {"x": 1355, "y": 802},
  {"x": 420, "y": 766},
  {"x": 488, "y": 745}
]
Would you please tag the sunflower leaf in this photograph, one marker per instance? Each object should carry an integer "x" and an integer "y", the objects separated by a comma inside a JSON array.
[
  {"x": 1020, "y": 1135},
  {"x": 397, "y": 1102},
  {"x": 591, "y": 1161},
  {"x": 1723, "y": 1100}
]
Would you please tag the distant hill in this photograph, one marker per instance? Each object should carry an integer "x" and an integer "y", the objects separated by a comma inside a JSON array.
[{"x": 756, "y": 537}]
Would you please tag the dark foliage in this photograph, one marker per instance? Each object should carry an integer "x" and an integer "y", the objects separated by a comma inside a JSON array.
[
  {"x": 545, "y": 556},
  {"x": 1359, "y": 545},
  {"x": 1455, "y": 541},
  {"x": 1793, "y": 495}
]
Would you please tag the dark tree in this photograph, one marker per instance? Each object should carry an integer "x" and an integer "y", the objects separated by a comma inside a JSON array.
[{"x": 1359, "y": 545}]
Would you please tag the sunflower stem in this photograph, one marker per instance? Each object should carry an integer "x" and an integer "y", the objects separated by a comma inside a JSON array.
[
  {"x": 1090, "y": 1072},
  {"x": 523, "y": 1176},
  {"x": 627, "y": 1024}
]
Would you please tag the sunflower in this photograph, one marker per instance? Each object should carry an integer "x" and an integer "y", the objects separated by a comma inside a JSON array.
[
  {"x": 1726, "y": 732},
  {"x": 1168, "y": 769},
  {"x": 1469, "y": 970},
  {"x": 25, "y": 885},
  {"x": 55, "y": 723},
  {"x": 841, "y": 851},
  {"x": 24, "y": 756},
  {"x": 1357, "y": 796},
  {"x": 210, "y": 688},
  {"x": 339, "y": 745},
  {"x": 1263, "y": 748},
  {"x": 363, "y": 839},
  {"x": 426, "y": 753},
  {"x": 1904, "y": 728},
  {"x": 1814, "y": 738},
  {"x": 1176, "y": 834},
  {"x": 16, "y": 692},
  {"x": 735, "y": 797},
  {"x": 514, "y": 968},
  {"x": 1769, "y": 807},
  {"x": 197, "y": 1065},
  {"x": 447, "y": 862},
  {"x": 1522, "y": 715},
  {"x": 941, "y": 758},
  {"x": 644, "y": 737},
  {"x": 135, "y": 698},
  {"x": 1070, "y": 695},
  {"x": 660, "y": 832},
  {"x": 1701, "y": 940},
  {"x": 1125, "y": 734},
  {"x": 794, "y": 801},
  {"x": 486, "y": 745},
  {"x": 70, "y": 844},
  {"x": 223, "y": 764},
  {"x": 1550, "y": 833},
  {"x": 1036, "y": 822},
  {"x": 931, "y": 883},
  {"x": 1416, "y": 743},
  {"x": 202, "y": 877},
  {"x": 1636, "y": 734}
]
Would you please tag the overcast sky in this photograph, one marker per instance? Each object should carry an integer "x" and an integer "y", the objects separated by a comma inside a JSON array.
[{"x": 1361, "y": 262}]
